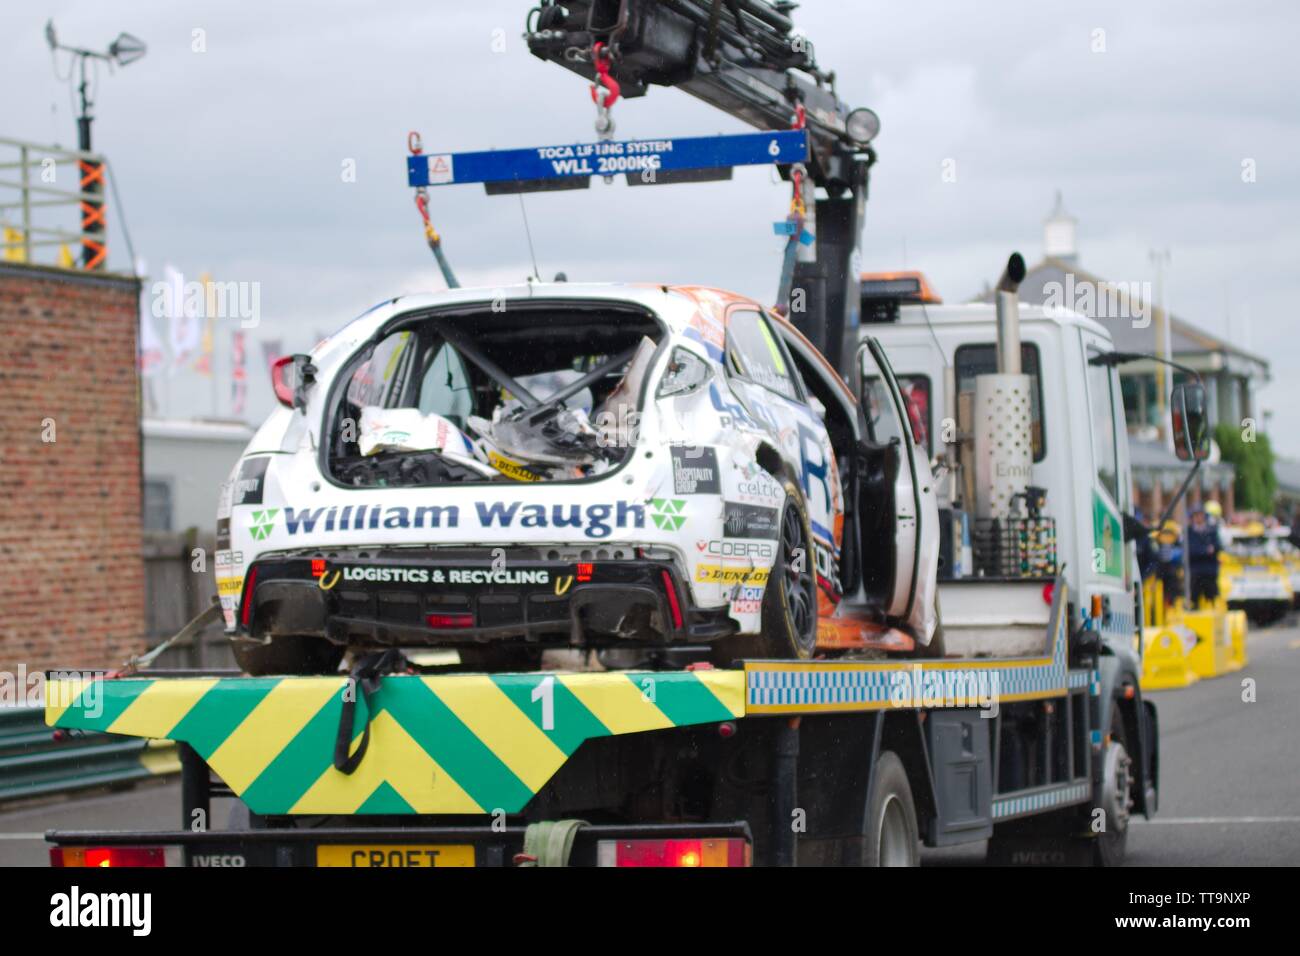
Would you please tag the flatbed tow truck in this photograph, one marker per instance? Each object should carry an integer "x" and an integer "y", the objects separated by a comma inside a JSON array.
[
  {"x": 775, "y": 762},
  {"x": 1044, "y": 749}
]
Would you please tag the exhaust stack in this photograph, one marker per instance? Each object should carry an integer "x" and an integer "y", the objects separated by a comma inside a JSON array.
[
  {"x": 1003, "y": 420},
  {"x": 1008, "y": 305}
]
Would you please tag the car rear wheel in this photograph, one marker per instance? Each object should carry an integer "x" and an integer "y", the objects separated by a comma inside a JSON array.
[
  {"x": 789, "y": 628},
  {"x": 290, "y": 654}
]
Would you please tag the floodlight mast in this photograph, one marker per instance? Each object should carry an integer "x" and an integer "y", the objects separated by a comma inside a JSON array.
[
  {"x": 743, "y": 57},
  {"x": 126, "y": 49}
]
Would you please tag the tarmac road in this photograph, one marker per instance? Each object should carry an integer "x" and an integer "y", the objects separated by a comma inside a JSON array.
[{"x": 1229, "y": 787}]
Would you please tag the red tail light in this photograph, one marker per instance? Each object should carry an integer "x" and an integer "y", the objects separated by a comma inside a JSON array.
[
  {"x": 246, "y": 608},
  {"x": 450, "y": 620},
  {"x": 674, "y": 853},
  {"x": 672, "y": 600},
  {"x": 107, "y": 856},
  {"x": 282, "y": 380}
]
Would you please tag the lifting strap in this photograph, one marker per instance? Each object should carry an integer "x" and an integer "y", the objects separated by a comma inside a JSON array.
[
  {"x": 793, "y": 226},
  {"x": 368, "y": 673},
  {"x": 430, "y": 234},
  {"x": 549, "y": 843}
]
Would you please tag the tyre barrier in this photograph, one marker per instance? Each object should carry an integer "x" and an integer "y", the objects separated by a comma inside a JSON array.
[{"x": 35, "y": 762}]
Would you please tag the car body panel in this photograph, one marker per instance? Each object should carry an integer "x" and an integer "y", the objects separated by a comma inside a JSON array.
[{"x": 692, "y": 490}]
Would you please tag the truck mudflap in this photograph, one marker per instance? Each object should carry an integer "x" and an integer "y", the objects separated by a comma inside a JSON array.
[{"x": 452, "y": 744}]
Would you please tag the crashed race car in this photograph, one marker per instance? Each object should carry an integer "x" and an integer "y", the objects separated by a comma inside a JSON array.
[{"x": 647, "y": 469}]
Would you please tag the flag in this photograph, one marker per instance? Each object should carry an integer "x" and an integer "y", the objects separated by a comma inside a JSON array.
[
  {"x": 183, "y": 323},
  {"x": 203, "y": 364},
  {"x": 15, "y": 250},
  {"x": 271, "y": 350},
  {"x": 238, "y": 374},
  {"x": 151, "y": 347}
]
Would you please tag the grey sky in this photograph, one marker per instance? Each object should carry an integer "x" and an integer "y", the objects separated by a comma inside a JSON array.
[{"x": 230, "y": 160}]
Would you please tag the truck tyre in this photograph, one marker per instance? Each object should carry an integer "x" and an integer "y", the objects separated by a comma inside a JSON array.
[
  {"x": 289, "y": 654},
  {"x": 1108, "y": 847},
  {"x": 1063, "y": 838},
  {"x": 892, "y": 837},
  {"x": 789, "y": 621}
]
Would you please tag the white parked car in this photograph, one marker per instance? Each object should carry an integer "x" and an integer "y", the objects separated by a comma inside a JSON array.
[{"x": 597, "y": 466}]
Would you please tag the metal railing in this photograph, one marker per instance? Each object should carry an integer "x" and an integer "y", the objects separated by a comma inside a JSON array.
[
  {"x": 29, "y": 174},
  {"x": 35, "y": 763}
]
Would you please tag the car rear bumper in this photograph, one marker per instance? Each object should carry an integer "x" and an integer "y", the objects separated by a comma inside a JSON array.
[{"x": 437, "y": 597}]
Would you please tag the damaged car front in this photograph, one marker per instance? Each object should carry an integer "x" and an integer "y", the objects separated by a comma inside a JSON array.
[{"x": 496, "y": 477}]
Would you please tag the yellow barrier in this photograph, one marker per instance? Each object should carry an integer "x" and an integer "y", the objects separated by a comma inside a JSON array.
[
  {"x": 1166, "y": 658},
  {"x": 1237, "y": 633},
  {"x": 1213, "y": 654}
]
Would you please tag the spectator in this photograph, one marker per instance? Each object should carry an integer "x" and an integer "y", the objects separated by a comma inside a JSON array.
[
  {"x": 1169, "y": 556},
  {"x": 1203, "y": 558},
  {"x": 1135, "y": 528}
]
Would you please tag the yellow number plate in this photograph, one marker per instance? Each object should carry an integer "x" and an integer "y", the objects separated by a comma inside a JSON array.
[{"x": 414, "y": 855}]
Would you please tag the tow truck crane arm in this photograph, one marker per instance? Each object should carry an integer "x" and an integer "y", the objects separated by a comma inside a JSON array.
[{"x": 743, "y": 57}]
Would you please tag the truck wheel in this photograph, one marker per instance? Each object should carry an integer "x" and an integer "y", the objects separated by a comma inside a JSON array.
[
  {"x": 789, "y": 628},
  {"x": 1108, "y": 848},
  {"x": 290, "y": 654},
  {"x": 892, "y": 837}
]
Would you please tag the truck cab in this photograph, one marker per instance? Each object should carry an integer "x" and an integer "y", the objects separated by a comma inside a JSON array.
[
  {"x": 1020, "y": 410},
  {"x": 1078, "y": 461}
]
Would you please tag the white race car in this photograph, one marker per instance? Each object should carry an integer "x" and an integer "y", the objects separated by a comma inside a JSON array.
[{"x": 595, "y": 466}]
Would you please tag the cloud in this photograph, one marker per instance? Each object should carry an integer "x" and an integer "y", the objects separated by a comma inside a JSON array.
[{"x": 230, "y": 160}]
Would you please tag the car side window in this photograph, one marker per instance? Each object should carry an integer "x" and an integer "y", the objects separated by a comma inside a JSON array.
[
  {"x": 379, "y": 380},
  {"x": 445, "y": 389},
  {"x": 754, "y": 353},
  {"x": 878, "y": 406}
]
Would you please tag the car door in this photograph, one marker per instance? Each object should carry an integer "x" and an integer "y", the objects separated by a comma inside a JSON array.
[
  {"x": 763, "y": 375},
  {"x": 889, "y": 488}
]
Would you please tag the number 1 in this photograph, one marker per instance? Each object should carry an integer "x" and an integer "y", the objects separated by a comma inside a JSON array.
[{"x": 545, "y": 692}]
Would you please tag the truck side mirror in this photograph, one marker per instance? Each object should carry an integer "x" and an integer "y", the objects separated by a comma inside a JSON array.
[{"x": 1191, "y": 427}]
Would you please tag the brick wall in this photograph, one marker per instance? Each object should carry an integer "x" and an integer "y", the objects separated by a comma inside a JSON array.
[{"x": 71, "y": 569}]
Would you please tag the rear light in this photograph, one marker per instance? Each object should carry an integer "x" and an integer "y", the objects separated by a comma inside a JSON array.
[
  {"x": 674, "y": 853},
  {"x": 281, "y": 375},
  {"x": 672, "y": 600},
  {"x": 1049, "y": 593},
  {"x": 83, "y": 856},
  {"x": 246, "y": 608},
  {"x": 450, "y": 620}
]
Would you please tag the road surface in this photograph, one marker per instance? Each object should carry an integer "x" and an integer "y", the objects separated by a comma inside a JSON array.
[{"x": 1230, "y": 778}]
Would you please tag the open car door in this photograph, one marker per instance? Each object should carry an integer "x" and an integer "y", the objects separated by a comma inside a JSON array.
[{"x": 887, "y": 490}]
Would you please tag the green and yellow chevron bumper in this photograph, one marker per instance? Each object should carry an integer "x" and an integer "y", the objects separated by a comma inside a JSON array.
[{"x": 438, "y": 745}]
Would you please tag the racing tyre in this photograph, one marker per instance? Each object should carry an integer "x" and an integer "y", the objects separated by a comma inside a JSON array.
[
  {"x": 892, "y": 837},
  {"x": 789, "y": 628},
  {"x": 288, "y": 654}
]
